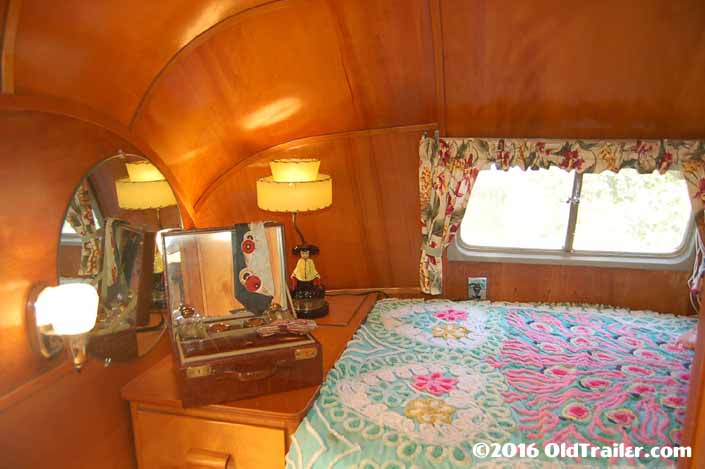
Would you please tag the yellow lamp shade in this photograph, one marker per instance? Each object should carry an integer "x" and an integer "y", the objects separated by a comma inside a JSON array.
[
  {"x": 294, "y": 196},
  {"x": 143, "y": 171},
  {"x": 72, "y": 307},
  {"x": 144, "y": 195},
  {"x": 295, "y": 170}
]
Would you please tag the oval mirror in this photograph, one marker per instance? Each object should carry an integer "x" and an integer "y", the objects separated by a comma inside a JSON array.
[{"x": 109, "y": 239}]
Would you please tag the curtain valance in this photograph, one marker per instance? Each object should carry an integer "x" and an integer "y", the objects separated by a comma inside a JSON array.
[
  {"x": 80, "y": 216},
  {"x": 449, "y": 167}
]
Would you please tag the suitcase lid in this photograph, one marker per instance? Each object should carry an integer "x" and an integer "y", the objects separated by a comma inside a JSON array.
[{"x": 221, "y": 283}]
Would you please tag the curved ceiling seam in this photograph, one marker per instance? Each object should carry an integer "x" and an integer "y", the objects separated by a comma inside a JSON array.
[
  {"x": 222, "y": 176},
  {"x": 10, "y": 23},
  {"x": 191, "y": 44},
  {"x": 84, "y": 113},
  {"x": 438, "y": 62}
]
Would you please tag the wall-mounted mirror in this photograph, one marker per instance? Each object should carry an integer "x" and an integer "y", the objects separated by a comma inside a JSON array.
[{"x": 108, "y": 239}]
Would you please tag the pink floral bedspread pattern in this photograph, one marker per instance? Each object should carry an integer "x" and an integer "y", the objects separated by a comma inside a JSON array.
[
  {"x": 588, "y": 378},
  {"x": 421, "y": 382}
]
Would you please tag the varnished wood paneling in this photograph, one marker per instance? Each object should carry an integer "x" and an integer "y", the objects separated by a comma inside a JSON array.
[
  {"x": 9, "y": 18},
  {"x": 694, "y": 425},
  {"x": 77, "y": 422},
  {"x": 249, "y": 447},
  {"x": 105, "y": 54},
  {"x": 69, "y": 260},
  {"x": 44, "y": 156},
  {"x": 38, "y": 179},
  {"x": 545, "y": 68},
  {"x": 663, "y": 291},
  {"x": 288, "y": 70},
  {"x": 370, "y": 236},
  {"x": 81, "y": 113},
  {"x": 555, "y": 68}
]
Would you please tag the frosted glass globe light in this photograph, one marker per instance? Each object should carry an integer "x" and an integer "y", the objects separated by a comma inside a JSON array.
[{"x": 72, "y": 308}]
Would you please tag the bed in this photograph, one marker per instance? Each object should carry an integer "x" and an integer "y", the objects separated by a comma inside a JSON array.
[{"x": 421, "y": 382}]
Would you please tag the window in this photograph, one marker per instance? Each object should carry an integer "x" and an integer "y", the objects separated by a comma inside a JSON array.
[
  {"x": 69, "y": 235},
  {"x": 555, "y": 216}
]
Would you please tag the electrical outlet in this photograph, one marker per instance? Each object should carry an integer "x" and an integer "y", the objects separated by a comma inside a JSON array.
[{"x": 477, "y": 288}]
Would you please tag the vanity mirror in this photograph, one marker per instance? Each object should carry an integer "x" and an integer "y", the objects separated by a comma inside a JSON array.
[{"x": 108, "y": 240}]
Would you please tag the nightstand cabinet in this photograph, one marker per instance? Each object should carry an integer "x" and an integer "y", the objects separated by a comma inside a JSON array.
[{"x": 247, "y": 434}]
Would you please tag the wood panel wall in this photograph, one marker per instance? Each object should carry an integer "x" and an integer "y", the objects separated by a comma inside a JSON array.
[
  {"x": 370, "y": 236},
  {"x": 217, "y": 88},
  {"x": 49, "y": 414},
  {"x": 657, "y": 290},
  {"x": 301, "y": 68}
]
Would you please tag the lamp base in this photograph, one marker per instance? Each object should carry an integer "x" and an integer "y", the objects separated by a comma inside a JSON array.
[{"x": 310, "y": 308}]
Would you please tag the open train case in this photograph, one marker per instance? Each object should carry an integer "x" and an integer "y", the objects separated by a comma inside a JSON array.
[{"x": 223, "y": 285}]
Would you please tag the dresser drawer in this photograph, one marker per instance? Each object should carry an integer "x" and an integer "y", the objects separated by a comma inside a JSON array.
[{"x": 174, "y": 441}]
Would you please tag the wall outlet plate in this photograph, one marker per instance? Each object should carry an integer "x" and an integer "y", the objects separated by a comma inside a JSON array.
[{"x": 477, "y": 288}]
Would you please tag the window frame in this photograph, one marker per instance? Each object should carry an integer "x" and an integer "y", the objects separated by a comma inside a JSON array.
[
  {"x": 73, "y": 239},
  {"x": 679, "y": 260}
]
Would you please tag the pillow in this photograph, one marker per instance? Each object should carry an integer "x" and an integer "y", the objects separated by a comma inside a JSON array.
[{"x": 688, "y": 339}]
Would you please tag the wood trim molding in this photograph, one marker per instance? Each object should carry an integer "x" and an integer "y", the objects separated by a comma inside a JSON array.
[
  {"x": 694, "y": 425},
  {"x": 301, "y": 142},
  {"x": 86, "y": 114},
  {"x": 391, "y": 291},
  {"x": 26, "y": 390},
  {"x": 438, "y": 63},
  {"x": 249, "y": 7},
  {"x": 8, "y": 36}
]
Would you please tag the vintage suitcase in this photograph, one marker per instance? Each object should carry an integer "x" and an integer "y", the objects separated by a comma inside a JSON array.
[{"x": 222, "y": 286}]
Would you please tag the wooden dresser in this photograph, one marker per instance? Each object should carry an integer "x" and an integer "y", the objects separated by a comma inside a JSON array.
[{"x": 247, "y": 434}]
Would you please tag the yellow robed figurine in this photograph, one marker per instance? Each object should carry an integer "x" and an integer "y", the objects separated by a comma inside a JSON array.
[
  {"x": 305, "y": 270},
  {"x": 306, "y": 290}
]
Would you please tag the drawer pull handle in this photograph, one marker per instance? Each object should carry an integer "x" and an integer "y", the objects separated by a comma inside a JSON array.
[{"x": 205, "y": 459}]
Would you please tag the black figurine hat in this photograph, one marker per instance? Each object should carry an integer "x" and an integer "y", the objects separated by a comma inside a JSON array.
[{"x": 311, "y": 248}]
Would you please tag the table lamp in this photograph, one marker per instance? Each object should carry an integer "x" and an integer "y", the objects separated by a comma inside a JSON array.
[
  {"x": 296, "y": 186},
  {"x": 145, "y": 188}
]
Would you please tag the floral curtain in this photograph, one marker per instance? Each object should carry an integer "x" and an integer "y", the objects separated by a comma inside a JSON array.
[
  {"x": 449, "y": 167},
  {"x": 80, "y": 216}
]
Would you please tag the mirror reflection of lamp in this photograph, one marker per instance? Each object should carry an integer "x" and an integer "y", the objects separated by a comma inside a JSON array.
[
  {"x": 71, "y": 309},
  {"x": 145, "y": 188},
  {"x": 296, "y": 186}
]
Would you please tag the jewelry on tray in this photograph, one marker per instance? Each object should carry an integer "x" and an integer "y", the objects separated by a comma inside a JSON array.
[
  {"x": 291, "y": 326},
  {"x": 219, "y": 327}
]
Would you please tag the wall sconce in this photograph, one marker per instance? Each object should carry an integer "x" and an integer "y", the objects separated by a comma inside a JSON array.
[{"x": 65, "y": 312}]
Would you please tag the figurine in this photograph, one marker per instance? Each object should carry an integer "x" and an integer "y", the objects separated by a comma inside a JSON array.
[
  {"x": 307, "y": 291},
  {"x": 305, "y": 270}
]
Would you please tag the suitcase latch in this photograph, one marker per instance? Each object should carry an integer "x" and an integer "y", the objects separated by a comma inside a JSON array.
[
  {"x": 305, "y": 353},
  {"x": 198, "y": 371}
]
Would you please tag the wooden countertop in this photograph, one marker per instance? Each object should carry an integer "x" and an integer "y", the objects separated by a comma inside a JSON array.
[{"x": 158, "y": 385}]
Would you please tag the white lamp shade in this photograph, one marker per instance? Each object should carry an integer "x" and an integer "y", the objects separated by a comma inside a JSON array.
[
  {"x": 294, "y": 196},
  {"x": 144, "y": 195},
  {"x": 72, "y": 307},
  {"x": 143, "y": 171},
  {"x": 295, "y": 170}
]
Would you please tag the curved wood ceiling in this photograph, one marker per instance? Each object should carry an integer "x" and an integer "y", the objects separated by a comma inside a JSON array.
[
  {"x": 288, "y": 70},
  {"x": 105, "y": 54},
  {"x": 209, "y": 83}
]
